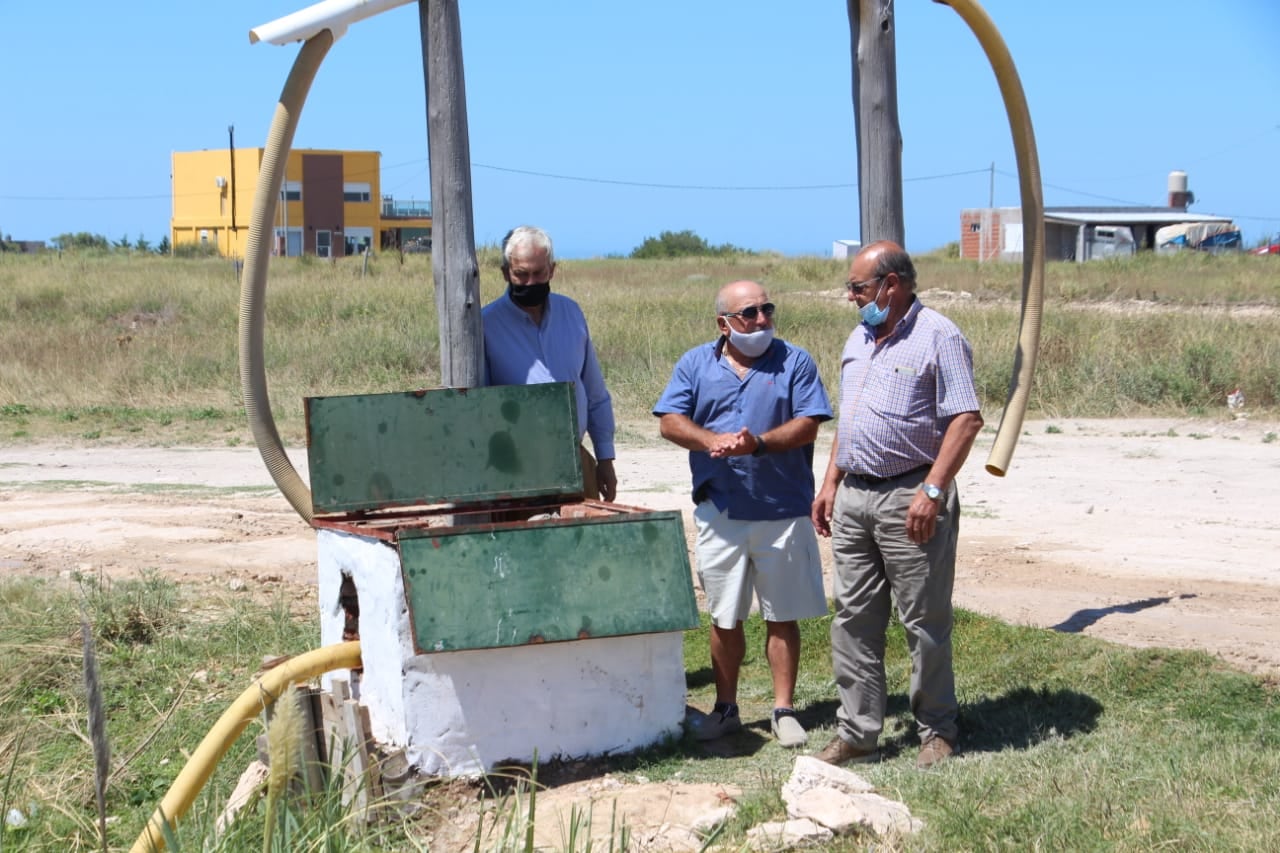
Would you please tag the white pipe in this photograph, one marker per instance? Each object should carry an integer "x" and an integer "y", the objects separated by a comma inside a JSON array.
[{"x": 332, "y": 15}]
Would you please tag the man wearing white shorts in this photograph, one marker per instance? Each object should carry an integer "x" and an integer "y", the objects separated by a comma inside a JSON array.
[{"x": 747, "y": 408}]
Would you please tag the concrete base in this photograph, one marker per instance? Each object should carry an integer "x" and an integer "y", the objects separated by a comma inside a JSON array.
[{"x": 462, "y": 713}]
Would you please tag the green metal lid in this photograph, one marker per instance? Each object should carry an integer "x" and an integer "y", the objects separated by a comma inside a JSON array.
[{"x": 465, "y": 447}]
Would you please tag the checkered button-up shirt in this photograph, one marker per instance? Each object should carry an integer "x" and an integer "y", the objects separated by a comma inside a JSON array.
[{"x": 897, "y": 398}]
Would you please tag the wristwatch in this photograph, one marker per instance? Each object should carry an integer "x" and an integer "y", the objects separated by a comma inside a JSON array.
[
  {"x": 931, "y": 491},
  {"x": 761, "y": 448}
]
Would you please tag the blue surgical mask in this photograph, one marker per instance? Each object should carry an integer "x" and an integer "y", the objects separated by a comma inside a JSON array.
[{"x": 871, "y": 313}]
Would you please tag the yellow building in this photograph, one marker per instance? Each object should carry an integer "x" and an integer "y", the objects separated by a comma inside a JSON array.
[{"x": 330, "y": 205}]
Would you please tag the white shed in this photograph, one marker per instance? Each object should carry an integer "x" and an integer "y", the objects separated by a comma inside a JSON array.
[{"x": 845, "y": 248}]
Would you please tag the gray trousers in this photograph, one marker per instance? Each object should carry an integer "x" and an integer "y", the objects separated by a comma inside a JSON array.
[{"x": 874, "y": 563}]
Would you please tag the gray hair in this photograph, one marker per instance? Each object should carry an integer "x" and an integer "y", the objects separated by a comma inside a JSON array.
[
  {"x": 897, "y": 261},
  {"x": 529, "y": 237}
]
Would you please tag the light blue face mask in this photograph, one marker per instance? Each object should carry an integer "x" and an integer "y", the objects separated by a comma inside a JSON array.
[
  {"x": 751, "y": 344},
  {"x": 872, "y": 314}
]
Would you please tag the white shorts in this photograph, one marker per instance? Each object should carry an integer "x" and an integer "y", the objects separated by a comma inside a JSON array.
[{"x": 777, "y": 560}]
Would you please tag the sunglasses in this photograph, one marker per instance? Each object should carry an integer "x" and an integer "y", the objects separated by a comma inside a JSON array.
[
  {"x": 856, "y": 287},
  {"x": 753, "y": 311}
]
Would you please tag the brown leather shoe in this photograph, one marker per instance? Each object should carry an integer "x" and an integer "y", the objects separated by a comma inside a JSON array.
[
  {"x": 935, "y": 751},
  {"x": 840, "y": 751}
]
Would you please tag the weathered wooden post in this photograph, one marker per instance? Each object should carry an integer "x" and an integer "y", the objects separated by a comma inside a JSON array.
[
  {"x": 453, "y": 254},
  {"x": 875, "y": 111}
]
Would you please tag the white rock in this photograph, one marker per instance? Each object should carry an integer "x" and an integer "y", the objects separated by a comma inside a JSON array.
[
  {"x": 782, "y": 835},
  {"x": 841, "y": 812},
  {"x": 840, "y": 800},
  {"x": 809, "y": 772}
]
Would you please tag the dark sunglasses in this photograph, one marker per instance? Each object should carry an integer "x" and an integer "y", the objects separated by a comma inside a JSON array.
[
  {"x": 753, "y": 311},
  {"x": 856, "y": 287}
]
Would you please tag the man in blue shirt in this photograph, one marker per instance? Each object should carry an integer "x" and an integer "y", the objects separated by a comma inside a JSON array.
[
  {"x": 747, "y": 408},
  {"x": 532, "y": 335}
]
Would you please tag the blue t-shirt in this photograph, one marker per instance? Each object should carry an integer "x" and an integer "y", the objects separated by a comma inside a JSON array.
[{"x": 782, "y": 384}]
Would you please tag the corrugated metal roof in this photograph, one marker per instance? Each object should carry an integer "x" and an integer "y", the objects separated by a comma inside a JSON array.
[
  {"x": 1125, "y": 215},
  {"x": 1114, "y": 215}
]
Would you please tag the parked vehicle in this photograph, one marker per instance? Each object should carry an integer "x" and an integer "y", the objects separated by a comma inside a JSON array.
[
  {"x": 1204, "y": 236},
  {"x": 1107, "y": 241}
]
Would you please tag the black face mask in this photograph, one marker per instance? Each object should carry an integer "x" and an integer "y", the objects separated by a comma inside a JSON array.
[{"x": 529, "y": 295}]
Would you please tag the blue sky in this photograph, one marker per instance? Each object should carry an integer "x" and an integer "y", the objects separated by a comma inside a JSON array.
[{"x": 608, "y": 123}]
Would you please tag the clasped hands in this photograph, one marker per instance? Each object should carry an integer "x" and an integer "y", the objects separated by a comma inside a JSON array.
[{"x": 740, "y": 443}]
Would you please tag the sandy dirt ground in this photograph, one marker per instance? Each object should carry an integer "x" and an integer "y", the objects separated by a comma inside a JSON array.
[
  {"x": 1145, "y": 532},
  {"x": 1150, "y": 533}
]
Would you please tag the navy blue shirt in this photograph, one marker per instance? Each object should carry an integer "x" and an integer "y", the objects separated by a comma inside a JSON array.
[{"x": 781, "y": 385}]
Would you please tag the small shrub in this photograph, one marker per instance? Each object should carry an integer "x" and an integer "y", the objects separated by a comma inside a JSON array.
[
  {"x": 682, "y": 244},
  {"x": 134, "y": 612}
]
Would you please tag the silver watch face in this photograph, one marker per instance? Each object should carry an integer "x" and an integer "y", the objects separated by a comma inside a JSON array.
[{"x": 932, "y": 492}]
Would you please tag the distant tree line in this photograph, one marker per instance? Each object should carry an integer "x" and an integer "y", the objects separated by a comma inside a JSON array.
[
  {"x": 83, "y": 241},
  {"x": 682, "y": 244}
]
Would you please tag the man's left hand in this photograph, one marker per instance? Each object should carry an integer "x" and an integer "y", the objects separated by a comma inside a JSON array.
[
  {"x": 606, "y": 480},
  {"x": 922, "y": 518}
]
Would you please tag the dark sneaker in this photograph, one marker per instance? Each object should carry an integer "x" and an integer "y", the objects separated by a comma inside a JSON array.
[
  {"x": 722, "y": 720},
  {"x": 787, "y": 729},
  {"x": 934, "y": 751},
  {"x": 840, "y": 751}
]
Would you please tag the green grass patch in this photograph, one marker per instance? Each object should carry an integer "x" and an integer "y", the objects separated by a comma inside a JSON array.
[{"x": 1068, "y": 742}]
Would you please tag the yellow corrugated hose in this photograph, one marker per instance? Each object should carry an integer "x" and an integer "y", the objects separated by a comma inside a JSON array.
[
  {"x": 257, "y": 697},
  {"x": 253, "y": 282},
  {"x": 1024, "y": 145}
]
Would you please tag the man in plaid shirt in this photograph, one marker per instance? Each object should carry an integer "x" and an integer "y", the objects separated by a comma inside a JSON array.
[{"x": 909, "y": 414}]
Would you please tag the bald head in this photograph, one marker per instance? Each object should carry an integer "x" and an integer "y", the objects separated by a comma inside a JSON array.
[
  {"x": 880, "y": 258},
  {"x": 734, "y": 295}
]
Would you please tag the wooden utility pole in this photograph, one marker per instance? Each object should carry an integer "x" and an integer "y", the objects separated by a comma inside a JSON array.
[
  {"x": 875, "y": 110},
  {"x": 453, "y": 253}
]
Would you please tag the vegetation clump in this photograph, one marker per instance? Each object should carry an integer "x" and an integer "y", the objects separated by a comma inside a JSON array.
[{"x": 683, "y": 244}]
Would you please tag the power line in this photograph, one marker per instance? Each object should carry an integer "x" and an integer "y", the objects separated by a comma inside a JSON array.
[
  {"x": 645, "y": 185},
  {"x": 551, "y": 175},
  {"x": 982, "y": 171},
  {"x": 708, "y": 187},
  {"x": 86, "y": 198},
  {"x": 1132, "y": 203},
  {"x": 1077, "y": 192},
  {"x": 658, "y": 186}
]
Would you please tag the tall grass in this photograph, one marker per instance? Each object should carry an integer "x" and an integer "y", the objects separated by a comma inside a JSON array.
[
  {"x": 146, "y": 348},
  {"x": 169, "y": 665}
]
